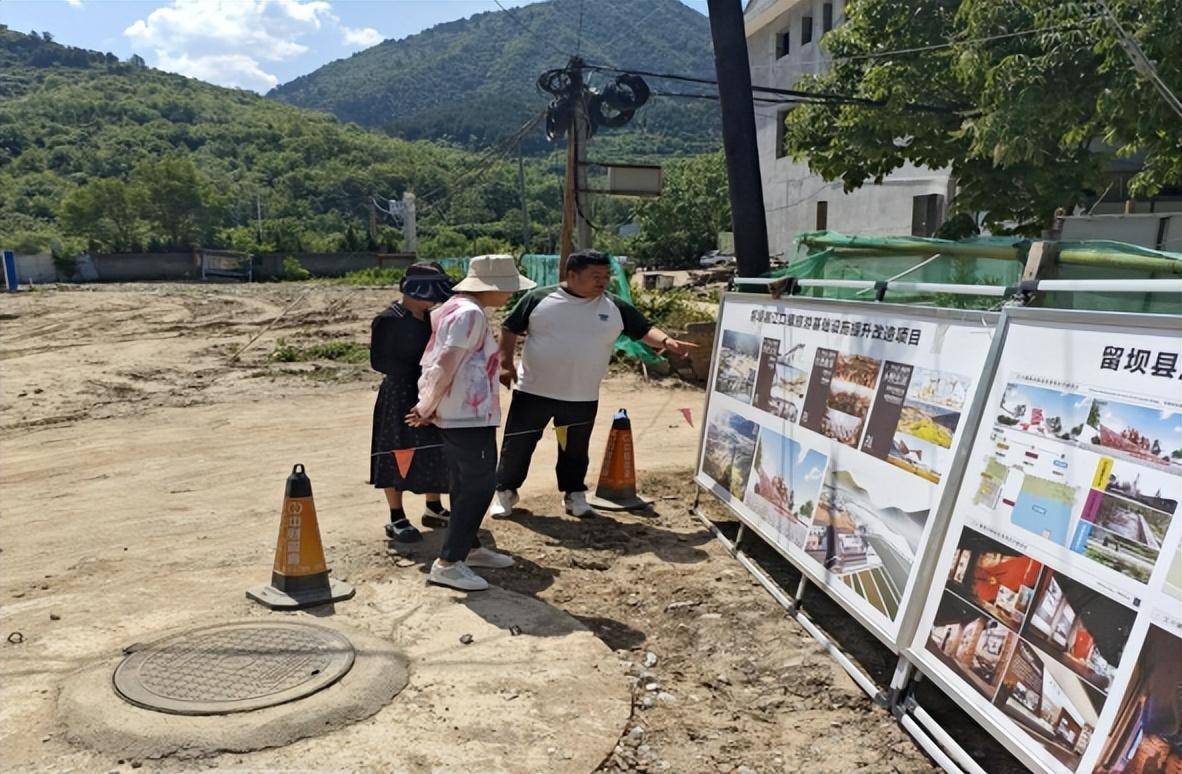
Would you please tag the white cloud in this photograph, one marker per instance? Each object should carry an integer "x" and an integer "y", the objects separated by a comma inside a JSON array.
[
  {"x": 74, "y": 3},
  {"x": 235, "y": 70},
  {"x": 364, "y": 37},
  {"x": 225, "y": 41}
]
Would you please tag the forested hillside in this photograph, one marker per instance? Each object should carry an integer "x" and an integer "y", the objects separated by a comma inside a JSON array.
[
  {"x": 129, "y": 158},
  {"x": 467, "y": 81}
]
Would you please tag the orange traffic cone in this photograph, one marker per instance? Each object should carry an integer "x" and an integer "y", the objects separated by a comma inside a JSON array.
[
  {"x": 300, "y": 576},
  {"x": 617, "y": 477}
]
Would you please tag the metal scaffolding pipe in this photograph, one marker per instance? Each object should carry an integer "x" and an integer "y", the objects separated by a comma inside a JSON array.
[
  {"x": 1070, "y": 286},
  {"x": 929, "y": 746},
  {"x": 945, "y": 740}
]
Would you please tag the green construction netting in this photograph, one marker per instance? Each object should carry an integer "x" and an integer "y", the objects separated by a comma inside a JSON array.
[{"x": 981, "y": 261}]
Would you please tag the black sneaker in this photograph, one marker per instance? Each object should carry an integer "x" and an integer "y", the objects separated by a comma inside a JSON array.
[
  {"x": 436, "y": 519},
  {"x": 402, "y": 531}
]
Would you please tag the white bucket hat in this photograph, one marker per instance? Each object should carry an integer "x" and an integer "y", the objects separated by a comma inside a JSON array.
[{"x": 495, "y": 273}]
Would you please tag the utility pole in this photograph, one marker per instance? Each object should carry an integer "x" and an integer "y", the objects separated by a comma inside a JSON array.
[
  {"x": 373, "y": 222},
  {"x": 576, "y": 229},
  {"x": 524, "y": 208},
  {"x": 748, "y": 218},
  {"x": 409, "y": 228},
  {"x": 258, "y": 209}
]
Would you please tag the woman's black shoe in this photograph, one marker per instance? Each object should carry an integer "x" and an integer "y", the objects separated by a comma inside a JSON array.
[
  {"x": 402, "y": 531},
  {"x": 436, "y": 519}
]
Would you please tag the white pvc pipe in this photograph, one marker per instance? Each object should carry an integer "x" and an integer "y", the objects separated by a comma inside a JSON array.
[
  {"x": 864, "y": 682},
  {"x": 950, "y": 745},
  {"x": 930, "y": 747},
  {"x": 1074, "y": 286},
  {"x": 1114, "y": 286}
]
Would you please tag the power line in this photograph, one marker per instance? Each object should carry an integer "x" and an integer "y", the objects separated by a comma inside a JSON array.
[
  {"x": 822, "y": 96},
  {"x": 579, "y": 37},
  {"x": 946, "y": 44},
  {"x": 522, "y": 25},
  {"x": 1141, "y": 62}
]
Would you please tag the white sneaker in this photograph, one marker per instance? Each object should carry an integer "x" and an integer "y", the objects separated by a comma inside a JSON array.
[
  {"x": 577, "y": 505},
  {"x": 486, "y": 557},
  {"x": 456, "y": 575},
  {"x": 502, "y": 504}
]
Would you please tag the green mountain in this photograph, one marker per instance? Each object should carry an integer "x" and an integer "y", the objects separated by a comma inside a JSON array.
[
  {"x": 472, "y": 81},
  {"x": 124, "y": 157}
]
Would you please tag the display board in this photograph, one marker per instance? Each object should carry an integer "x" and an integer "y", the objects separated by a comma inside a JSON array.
[
  {"x": 831, "y": 428},
  {"x": 1054, "y": 610}
]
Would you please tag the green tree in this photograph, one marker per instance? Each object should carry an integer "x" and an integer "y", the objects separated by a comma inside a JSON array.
[
  {"x": 446, "y": 243},
  {"x": 102, "y": 211},
  {"x": 683, "y": 223},
  {"x": 1033, "y": 116},
  {"x": 170, "y": 193}
]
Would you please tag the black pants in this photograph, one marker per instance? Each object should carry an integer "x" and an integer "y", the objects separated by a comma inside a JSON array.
[
  {"x": 471, "y": 454},
  {"x": 533, "y": 412}
]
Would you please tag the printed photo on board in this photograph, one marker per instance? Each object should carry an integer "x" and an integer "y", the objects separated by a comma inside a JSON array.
[
  {"x": 738, "y": 358},
  {"x": 1079, "y": 627},
  {"x": 870, "y": 546},
  {"x": 996, "y": 578},
  {"x": 781, "y": 379},
  {"x": 1057, "y": 709},
  {"x": 728, "y": 450},
  {"x": 972, "y": 643},
  {"x": 1043, "y": 411},
  {"x": 1146, "y": 736},
  {"x": 785, "y": 480},
  {"x": 1138, "y": 433},
  {"x": 850, "y": 394},
  {"x": 1122, "y": 534}
]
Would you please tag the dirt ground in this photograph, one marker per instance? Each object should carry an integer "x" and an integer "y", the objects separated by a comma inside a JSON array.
[{"x": 142, "y": 472}]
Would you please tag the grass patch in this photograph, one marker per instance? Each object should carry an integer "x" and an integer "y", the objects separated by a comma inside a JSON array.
[
  {"x": 340, "y": 351},
  {"x": 369, "y": 276}
]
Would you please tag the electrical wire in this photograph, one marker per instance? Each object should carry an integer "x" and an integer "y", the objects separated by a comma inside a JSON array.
[
  {"x": 939, "y": 46},
  {"x": 528, "y": 31},
  {"x": 1141, "y": 62},
  {"x": 819, "y": 95},
  {"x": 579, "y": 37}
]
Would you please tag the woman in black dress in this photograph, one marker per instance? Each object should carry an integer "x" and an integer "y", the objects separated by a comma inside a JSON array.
[{"x": 398, "y": 337}]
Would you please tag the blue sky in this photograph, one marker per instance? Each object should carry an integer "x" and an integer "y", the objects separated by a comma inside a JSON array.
[{"x": 249, "y": 44}]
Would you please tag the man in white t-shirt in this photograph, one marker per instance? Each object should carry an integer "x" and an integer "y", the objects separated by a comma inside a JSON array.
[{"x": 569, "y": 331}]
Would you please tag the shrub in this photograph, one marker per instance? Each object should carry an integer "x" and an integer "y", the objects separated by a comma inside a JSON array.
[
  {"x": 672, "y": 309},
  {"x": 370, "y": 276},
  {"x": 293, "y": 271}
]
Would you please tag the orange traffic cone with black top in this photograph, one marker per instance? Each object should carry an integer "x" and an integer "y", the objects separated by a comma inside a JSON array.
[
  {"x": 300, "y": 576},
  {"x": 616, "y": 490}
]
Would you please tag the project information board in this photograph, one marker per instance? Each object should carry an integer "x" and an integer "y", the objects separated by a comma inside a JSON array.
[
  {"x": 1054, "y": 613},
  {"x": 830, "y": 430}
]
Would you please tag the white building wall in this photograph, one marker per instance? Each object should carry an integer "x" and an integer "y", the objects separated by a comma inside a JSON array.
[{"x": 791, "y": 192}]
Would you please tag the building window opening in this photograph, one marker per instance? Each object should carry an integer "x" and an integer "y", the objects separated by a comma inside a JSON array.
[
  {"x": 826, "y": 17},
  {"x": 783, "y": 47},
  {"x": 806, "y": 30},
  {"x": 927, "y": 213},
  {"x": 822, "y": 216}
]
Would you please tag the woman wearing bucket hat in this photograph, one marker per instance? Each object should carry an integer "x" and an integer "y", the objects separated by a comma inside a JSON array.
[
  {"x": 398, "y": 337},
  {"x": 459, "y": 393}
]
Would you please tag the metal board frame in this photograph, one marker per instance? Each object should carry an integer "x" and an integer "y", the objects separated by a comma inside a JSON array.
[
  {"x": 909, "y": 653},
  {"x": 926, "y": 561}
]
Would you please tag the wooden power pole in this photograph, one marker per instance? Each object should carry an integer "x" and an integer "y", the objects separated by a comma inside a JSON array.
[
  {"x": 748, "y": 219},
  {"x": 576, "y": 229}
]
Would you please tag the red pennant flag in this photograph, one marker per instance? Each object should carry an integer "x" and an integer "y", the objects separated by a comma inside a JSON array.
[
  {"x": 402, "y": 458},
  {"x": 689, "y": 417}
]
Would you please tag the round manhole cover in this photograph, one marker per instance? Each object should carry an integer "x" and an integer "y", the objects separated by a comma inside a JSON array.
[{"x": 233, "y": 667}]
